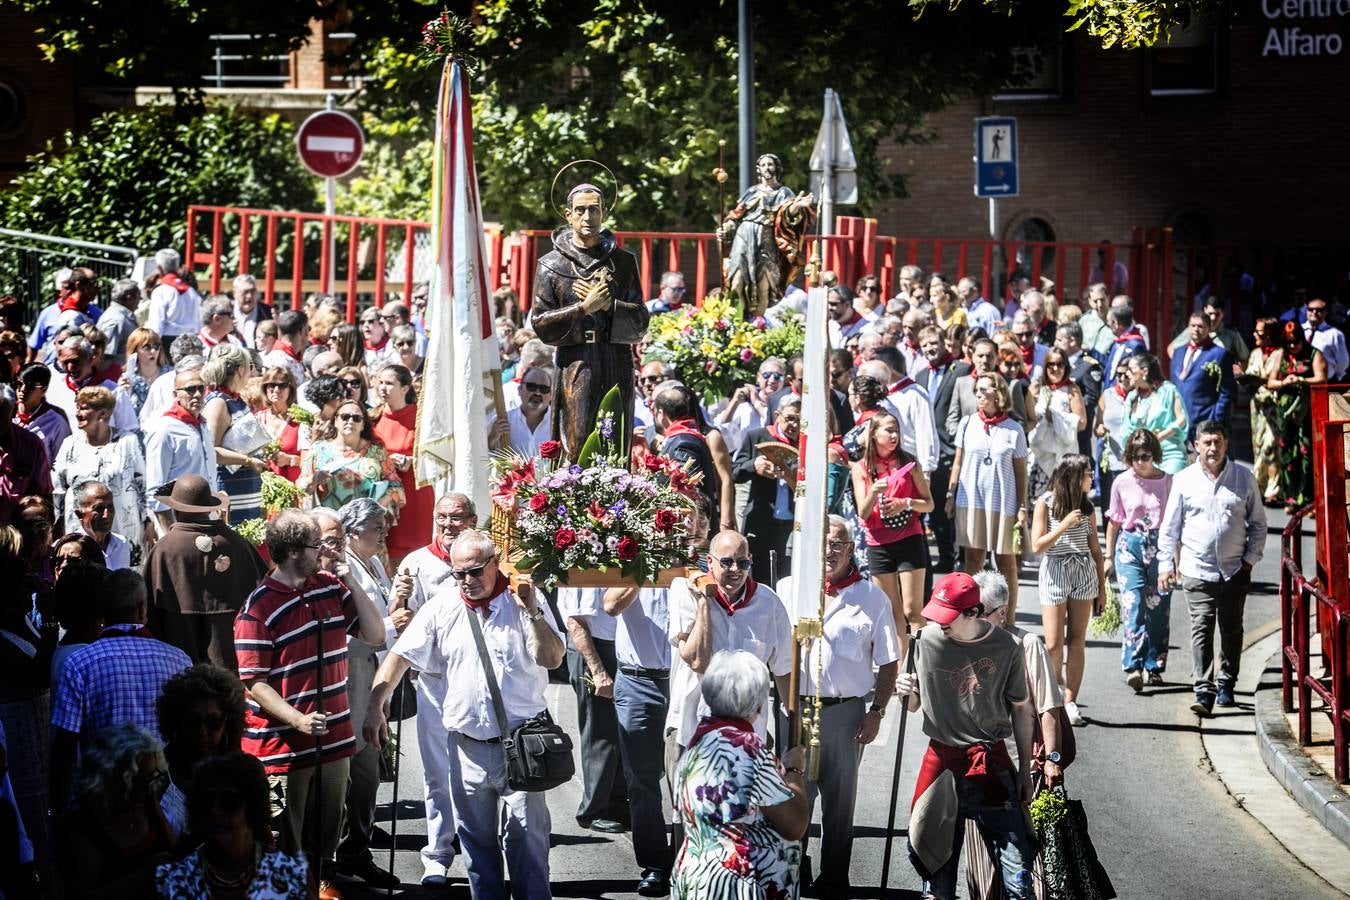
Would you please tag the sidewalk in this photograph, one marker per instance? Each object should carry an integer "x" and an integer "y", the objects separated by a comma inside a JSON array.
[{"x": 1267, "y": 774}]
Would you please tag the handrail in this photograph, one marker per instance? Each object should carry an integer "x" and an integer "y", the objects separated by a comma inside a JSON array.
[{"x": 70, "y": 242}]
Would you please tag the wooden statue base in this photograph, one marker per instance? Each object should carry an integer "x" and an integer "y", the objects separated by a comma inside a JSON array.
[{"x": 594, "y": 578}]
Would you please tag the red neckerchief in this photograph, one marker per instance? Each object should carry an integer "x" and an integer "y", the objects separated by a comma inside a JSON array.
[
  {"x": 852, "y": 318},
  {"x": 900, "y": 385},
  {"x": 483, "y": 605},
  {"x": 991, "y": 421},
  {"x": 1057, "y": 385},
  {"x": 91, "y": 378},
  {"x": 1208, "y": 342},
  {"x": 438, "y": 551},
  {"x": 173, "y": 281},
  {"x": 25, "y": 419},
  {"x": 1127, "y": 335},
  {"x": 685, "y": 425},
  {"x": 182, "y": 415},
  {"x": 867, "y": 414},
  {"x": 943, "y": 360},
  {"x": 125, "y": 630},
  {"x": 746, "y": 596},
  {"x": 377, "y": 347},
  {"x": 287, "y": 349},
  {"x": 714, "y": 723},
  {"x": 776, "y": 433},
  {"x": 72, "y": 301},
  {"x": 837, "y": 444},
  {"x": 912, "y": 347},
  {"x": 1028, "y": 355},
  {"x": 209, "y": 342},
  {"x": 852, "y": 577}
]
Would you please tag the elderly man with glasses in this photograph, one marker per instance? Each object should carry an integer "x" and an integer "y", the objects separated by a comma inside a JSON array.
[
  {"x": 859, "y": 632},
  {"x": 672, "y": 294},
  {"x": 751, "y": 404},
  {"x": 530, "y": 424},
  {"x": 1327, "y": 338},
  {"x": 179, "y": 442},
  {"x": 441, "y": 643}
]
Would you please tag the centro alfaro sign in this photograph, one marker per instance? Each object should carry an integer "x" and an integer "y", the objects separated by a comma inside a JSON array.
[{"x": 1292, "y": 40}]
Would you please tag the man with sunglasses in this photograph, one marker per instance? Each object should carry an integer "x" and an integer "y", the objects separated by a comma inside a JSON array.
[
  {"x": 730, "y": 610},
  {"x": 1327, "y": 338},
  {"x": 179, "y": 442},
  {"x": 523, "y": 643},
  {"x": 430, "y": 569},
  {"x": 859, "y": 632},
  {"x": 845, "y": 321},
  {"x": 672, "y": 293},
  {"x": 750, "y": 404},
  {"x": 528, "y": 425}
]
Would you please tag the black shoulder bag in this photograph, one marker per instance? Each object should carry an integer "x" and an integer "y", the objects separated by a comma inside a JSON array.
[{"x": 538, "y": 752}]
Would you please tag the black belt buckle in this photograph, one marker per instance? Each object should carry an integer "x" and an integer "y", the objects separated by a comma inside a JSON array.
[{"x": 589, "y": 336}]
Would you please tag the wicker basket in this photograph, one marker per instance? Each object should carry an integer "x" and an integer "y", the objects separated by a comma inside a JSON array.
[{"x": 502, "y": 528}]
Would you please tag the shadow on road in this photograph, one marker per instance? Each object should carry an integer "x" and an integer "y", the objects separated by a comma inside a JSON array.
[{"x": 1162, "y": 726}]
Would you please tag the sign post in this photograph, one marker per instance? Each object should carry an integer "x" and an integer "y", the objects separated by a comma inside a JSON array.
[
  {"x": 330, "y": 143},
  {"x": 996, "y": 163}
]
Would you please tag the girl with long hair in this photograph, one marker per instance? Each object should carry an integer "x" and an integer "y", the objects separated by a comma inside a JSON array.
[{"x": 1072, "y": 581}]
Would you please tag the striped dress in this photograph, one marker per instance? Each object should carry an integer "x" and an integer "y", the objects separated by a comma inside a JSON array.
[
  {"x": 241, "y": 484},
  {"x": 1068, "y": 571}
]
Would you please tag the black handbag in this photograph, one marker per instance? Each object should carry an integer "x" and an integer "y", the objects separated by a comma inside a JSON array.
[
  {"x": 538, "y": 751},
  {"x": 1072, "y": 870}
]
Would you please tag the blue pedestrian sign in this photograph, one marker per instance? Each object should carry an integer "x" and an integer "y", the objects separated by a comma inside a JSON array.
[{"x": 996, "y": 156}]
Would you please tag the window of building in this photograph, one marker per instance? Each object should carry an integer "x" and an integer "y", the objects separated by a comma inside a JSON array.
[
  {"x": 1039, "y": 73},
  {"x": 1187, "y": 64}
]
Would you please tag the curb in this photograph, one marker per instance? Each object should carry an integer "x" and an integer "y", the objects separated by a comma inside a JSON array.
[{"x": 1310, "y": 787}]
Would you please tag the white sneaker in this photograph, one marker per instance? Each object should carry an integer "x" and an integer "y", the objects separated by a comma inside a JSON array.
[
  {"x": 1075, "y": 717},
  {"x": 434, "y": 874}
]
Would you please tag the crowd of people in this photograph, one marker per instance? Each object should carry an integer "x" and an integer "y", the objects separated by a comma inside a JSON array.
[{"x": 186, "y": 713}]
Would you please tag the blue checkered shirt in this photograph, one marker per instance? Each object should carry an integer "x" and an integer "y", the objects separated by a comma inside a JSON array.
[{"x": 115, "y": 679}]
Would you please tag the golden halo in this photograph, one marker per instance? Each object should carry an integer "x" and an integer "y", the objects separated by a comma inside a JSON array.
[{"x": 553, "y": 188}]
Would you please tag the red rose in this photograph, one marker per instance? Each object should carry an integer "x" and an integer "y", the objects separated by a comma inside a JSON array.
[
  {"x": 664, "y": 520},
  {"x": 565, "y": 538},
  {"x": 550, "y": 449},
  {"x": 653, "y": 463},
  {"x": 539, "y": 502},
  {"x": 628, "y": 547}
]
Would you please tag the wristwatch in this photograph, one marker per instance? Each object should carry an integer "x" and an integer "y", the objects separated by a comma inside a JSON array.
[
  {"x": 879, "y": 710},
  {"x": 1053, "y": 756},
  {"x": 535, "y": 614}
]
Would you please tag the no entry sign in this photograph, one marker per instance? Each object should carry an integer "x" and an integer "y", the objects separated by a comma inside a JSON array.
[{"x": 330, "y": 143}]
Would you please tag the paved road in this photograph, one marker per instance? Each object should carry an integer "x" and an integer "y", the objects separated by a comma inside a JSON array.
[{"x": 1163, "y": 824}]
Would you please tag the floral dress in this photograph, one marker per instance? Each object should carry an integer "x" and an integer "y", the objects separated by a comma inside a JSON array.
[
  {"x": 730, "y": 850},
  {"x": 1265, "y": 425},
  {"x": 118, "y": 464},
  {"x": 1295, "y": 422},
  {"x": 280, "y": 877},
  {"x": 367, "y": 472}
]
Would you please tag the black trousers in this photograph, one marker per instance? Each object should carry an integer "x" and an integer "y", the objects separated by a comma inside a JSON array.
[
  {"x": 944, "y": 529},
  {"x": 604, "y": 790}
]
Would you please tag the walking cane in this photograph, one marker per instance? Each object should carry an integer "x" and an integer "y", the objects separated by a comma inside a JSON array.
[
  {"x": 775, "y": 700},
  {"x": 895, "y": 775},
  {"x": 403, "y": 686}
]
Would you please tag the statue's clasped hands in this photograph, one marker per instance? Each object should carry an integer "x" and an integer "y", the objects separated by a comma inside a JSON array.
[{"x": 597, "y": 298}]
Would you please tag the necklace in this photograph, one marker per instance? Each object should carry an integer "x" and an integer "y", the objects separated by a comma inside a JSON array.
[{"x": 215, "y": 880}]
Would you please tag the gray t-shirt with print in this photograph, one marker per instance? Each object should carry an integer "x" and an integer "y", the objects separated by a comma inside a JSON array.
[{"x": 967, "y": 687}]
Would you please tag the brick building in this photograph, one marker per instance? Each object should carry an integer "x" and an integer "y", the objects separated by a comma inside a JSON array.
[{"x": 1230, "y": 136}]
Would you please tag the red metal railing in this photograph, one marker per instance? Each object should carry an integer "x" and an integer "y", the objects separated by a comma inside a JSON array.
[
  {"x": 1302, "y": 602},
  {"x": 295, "y": 253}
]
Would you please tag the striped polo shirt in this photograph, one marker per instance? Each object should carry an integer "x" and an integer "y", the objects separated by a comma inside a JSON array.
[{"x": 276, "y": 639}]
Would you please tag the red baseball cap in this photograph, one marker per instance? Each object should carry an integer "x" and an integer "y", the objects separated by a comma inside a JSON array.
[{"x": 952, "y": 595}]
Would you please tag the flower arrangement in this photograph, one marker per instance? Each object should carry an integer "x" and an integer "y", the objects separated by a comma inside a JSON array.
[
  {"x": 714, "y": 349},
  {"x": 593, "y": 514},
  {"x": 445, "y": 36}
]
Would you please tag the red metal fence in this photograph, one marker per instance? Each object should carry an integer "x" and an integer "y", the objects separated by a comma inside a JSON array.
[
  {"x": 368, "y": 261},
  {"x": 1320, "y": 604}
]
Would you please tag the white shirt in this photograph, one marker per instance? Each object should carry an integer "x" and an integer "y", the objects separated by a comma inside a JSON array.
[
  {"x": 278, "y": 358},
  {"x": 859, "y": 631},
  {"x": 640, "y": 639},
  {"x": 524, "y": 440},
  {"x": 983, "y": 314},
  {"x": 117, "y": 555},
  {"x": 62, "y": 397},
  {"x": 157, "y": 400},
  {"x": 841, "y": 332},
  {"x": 173, "y": 313},
  {"x": 761, "y": 626},
  {"x": 1219, "y": 523},
  {"x": 429, "y": 572},
  {"x": 247, "y": 325},
  {"x": 378, "y": 359},
  {"x": 1331, "y": 341},
  {"x": 588, "y": 606},
  {"x": 174, "y": 448},
  {"x": 918, "y": 432},
  {"x": 377, "y": 585},
  {"x": 439, "y": 643}
]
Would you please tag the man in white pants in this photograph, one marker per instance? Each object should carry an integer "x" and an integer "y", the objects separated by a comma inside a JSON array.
[
  {"x": 491, "y": 817},
  {"x": 430, "y": 568}
]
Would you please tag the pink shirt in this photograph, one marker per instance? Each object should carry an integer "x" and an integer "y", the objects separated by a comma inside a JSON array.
[{"x": 1138, "y": 502}]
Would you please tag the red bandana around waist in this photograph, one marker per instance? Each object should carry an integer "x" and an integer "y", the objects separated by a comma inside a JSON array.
[
  {"x": 852, "y": 577},
  {"x": 978, "y": 762},
  {"x": 483, "y": 605},
  {"x": 713, "y": 723},
  {"x": 685, "y": 425},
  {"x": 991, "y": 421},
  {"x": 182, "y": 415},
  {"x": 746, "y": 597}
]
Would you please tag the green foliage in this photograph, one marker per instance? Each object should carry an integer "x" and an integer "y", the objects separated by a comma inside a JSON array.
[
  {"x": 1118, "y": 23},
  {"x": 129, "y": 176},
  {"x": 611, "y": 408},
  {"x": 650, "y": 89}
]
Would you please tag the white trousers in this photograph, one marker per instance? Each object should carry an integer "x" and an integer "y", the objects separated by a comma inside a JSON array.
[{"x": 431, "y": 741}]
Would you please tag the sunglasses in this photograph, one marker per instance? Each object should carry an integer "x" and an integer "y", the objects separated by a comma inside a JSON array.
[
  {"x": 1319, "y": 310},
  {"x": 229, "y": 801},
  {"x": 836, "y": 546},
  {"x": 475, "y": 572},
  {"x": 369, "y": 321},
  {"x": 351, "y": 417},
  {"x": 352, "y": 382},
  {"x": 771, "y": 376},
  {"x": 535, "y": 387},
  {"x": 192, "y": 389},
  {"x": 731, "y": 562},
  {"x": 274, "y": 385}
]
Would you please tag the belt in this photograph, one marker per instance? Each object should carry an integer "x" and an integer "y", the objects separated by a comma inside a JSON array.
[
  {"x": 831, "y": 701},
  {"x": 638, "y": 672},
  {"x": 469, "y": 737},
  {"x": 589, "y": 336}
]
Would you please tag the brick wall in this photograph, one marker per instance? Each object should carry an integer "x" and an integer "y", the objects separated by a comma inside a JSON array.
[{"x": 47, "y": 92}]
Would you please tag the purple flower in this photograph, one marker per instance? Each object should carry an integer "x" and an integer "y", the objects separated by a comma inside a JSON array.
[
  {"x": 607, "y": 428},
  {"x": 761, "y": 323},
  {"x": 574, "y": 468},
  {"x": 617, "y": 509}
]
